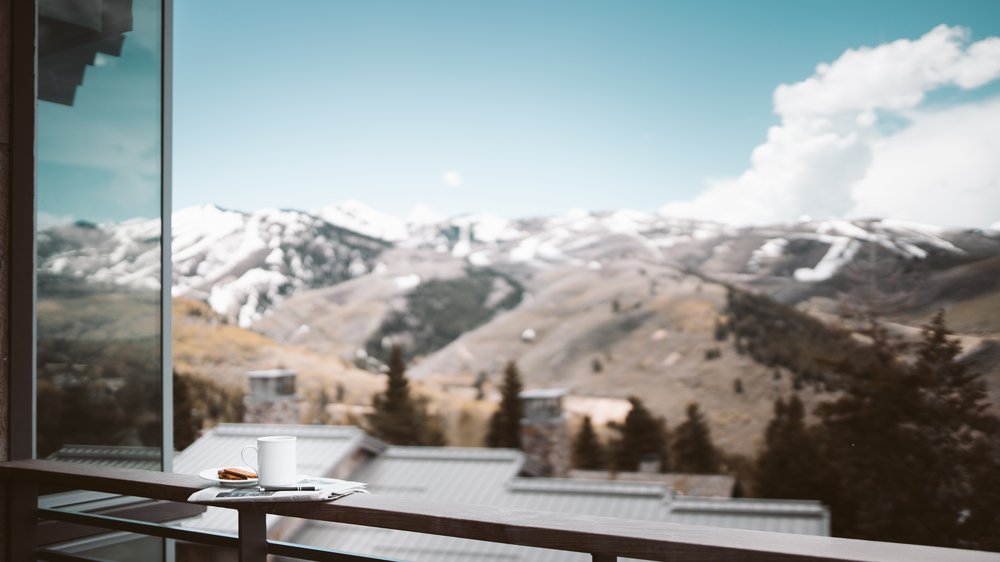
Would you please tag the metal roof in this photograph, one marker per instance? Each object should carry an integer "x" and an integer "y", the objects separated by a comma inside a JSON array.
[
  {"x": 476, "y": 476},
  {"x": 544, "y": 393},
  {"x": 321, "y": 450},
  {"x": 121, "y": 456},
  {"x": 803, "y": 517},
  {"x": 702, "y": 485},
  {"x": 269, "y": 373},
  {"x": 489, "y": 477}
]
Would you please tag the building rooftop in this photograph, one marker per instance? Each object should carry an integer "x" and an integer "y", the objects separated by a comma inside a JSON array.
[
  {"x": 544, "y": 393},
  {"x": 321, "y": 450},
  {"x": 475, "y": 476},
  {"x": 270, "y": 373},
  {"x": 704, "y": 485},
  {"x": 122, "y": 456},
  {"x": 490, "y": 477}
]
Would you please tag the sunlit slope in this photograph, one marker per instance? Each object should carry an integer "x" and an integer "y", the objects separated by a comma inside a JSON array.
[
  {"x": 205, "y": 344},
  {"x": 611, "y": 314},
  {"x": 628, "y": 329},
  {"x": 604, "y": 304},
  {"x": 339, "y": 319}
]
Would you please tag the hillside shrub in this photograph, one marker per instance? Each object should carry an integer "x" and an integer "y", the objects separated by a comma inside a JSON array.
[
  {"x": 438, "y": 311},
  {"x": 778, "y": 335}
]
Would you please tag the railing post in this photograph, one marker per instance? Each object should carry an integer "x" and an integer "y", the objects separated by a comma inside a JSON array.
[
  {"x": 253, "y": 535},
  {"x": 23, "y": 519}
]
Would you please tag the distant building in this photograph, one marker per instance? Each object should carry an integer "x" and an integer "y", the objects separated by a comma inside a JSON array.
[
  {"x": 271, "y": 397},
  {"x": 501, "y": 478},
  {"x": 545, "y": 430}
]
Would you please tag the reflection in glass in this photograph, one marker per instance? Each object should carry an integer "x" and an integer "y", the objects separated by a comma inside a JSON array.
[
  {"x": 99, "y": 186},
  {"x": 124, "y": 547}
]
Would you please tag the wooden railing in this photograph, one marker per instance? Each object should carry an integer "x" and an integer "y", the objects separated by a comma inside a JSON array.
[{"x": 605, "y": 539}]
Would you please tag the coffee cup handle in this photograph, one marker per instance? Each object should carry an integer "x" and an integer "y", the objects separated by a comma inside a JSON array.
[{"x": 244, "y": 459}]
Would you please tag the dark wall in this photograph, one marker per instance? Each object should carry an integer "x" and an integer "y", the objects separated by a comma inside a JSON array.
[{"x": 5, "y": 95}]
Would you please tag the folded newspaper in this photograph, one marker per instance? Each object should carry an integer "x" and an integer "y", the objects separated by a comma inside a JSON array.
[{"x": 325, "y": 489}]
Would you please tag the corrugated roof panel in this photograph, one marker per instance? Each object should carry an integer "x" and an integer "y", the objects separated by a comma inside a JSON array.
[
  {"x": 319, "y": 450},
  {"x": 479, "y": 477},
  {"x": 317, "y": 447},
  {"x": 701, "y": 485},
  {"x": 420, "y": 547},
  {"x": 486, "y": 477},
  {"x": 472, "y": 479},
  {"x": 120, "y": 456}
]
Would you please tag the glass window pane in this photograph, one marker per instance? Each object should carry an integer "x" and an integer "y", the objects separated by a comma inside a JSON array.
[{"x": 99, "y": 360}]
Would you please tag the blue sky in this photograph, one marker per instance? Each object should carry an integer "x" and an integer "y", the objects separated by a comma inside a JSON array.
[
  {"x": 535, "y": 108},
  {"x": 99, "y": 158}
]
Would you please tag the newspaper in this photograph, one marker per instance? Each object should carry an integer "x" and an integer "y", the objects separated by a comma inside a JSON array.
[{"x": 327, "y": 489}]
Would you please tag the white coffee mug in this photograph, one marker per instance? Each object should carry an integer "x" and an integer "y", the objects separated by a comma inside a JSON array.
[{"x": 275, "y": 460}]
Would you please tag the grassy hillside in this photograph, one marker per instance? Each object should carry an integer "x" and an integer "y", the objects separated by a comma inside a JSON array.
[
  {"x": 632, "y": 328},
  {"x": 213, "y": 355},
  {"x": 207, "y": 346},
  {"x": 624, "y": 326},
  {"x": 777, "y": 335},
  {"x": 438, "y": 311}
]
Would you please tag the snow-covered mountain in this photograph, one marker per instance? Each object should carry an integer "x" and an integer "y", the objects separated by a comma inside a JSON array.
[
  {"x": 126, "y": 253},
  {"x": 607, "y": 304},
  {"x": 356, "y": 216},
  {"x": 242, "y": 264}
]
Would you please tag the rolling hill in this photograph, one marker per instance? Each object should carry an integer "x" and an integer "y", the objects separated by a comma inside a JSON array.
[{"x": 605, "y": 304}]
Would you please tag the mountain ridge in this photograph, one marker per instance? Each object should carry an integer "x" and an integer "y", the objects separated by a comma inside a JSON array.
[
  {"x": 242, "y": 263},
  {"x": 607, "y": 304}
]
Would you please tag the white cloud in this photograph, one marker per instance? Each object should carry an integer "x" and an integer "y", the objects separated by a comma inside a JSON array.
[
  {"x": 46, "y": 220},
  {"x": 943, "y": 169},
  {"x": 829, "y": 158},
  {"x": 452, "y": 178},
  {"x": 892, "y": 76}
]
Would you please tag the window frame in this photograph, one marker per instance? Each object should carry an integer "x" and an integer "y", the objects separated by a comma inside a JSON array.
[{"x": 22, "y": 321}]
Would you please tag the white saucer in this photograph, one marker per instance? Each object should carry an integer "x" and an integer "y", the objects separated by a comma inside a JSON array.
[{"x": 212, "y": 475}]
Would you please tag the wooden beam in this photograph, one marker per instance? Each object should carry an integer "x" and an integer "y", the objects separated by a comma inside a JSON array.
[
  {"x": 20, "y": 227},
  {"x": 253, "y": 536},
  {"x": 124, "y": 481},
  {"x": 23, "y": 503}
]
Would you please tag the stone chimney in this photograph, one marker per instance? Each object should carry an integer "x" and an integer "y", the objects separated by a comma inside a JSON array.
[
  {"x": 271, "y": 398},
  {"x": 650, "y": 464},
  {"x": 544, "y": 430}
]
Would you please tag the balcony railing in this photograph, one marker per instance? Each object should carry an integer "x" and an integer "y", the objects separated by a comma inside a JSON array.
[{"x": 604, "y": 539}]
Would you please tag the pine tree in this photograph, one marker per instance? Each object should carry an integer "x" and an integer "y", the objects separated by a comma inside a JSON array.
[
  {"x": 791, "y": 465},
  {"x": 906, "y": 441},
  {"x": 966, "y": 437},
  {"x": 641, "y": 435},
  {"x": 505, "y": 424},
  {"x": 692, "y": 447},
  {"x": 397, "y": 417},
  {"x": 876, "y": 456},
  {"x": 431, "y": 429},
  {"x": 588, "y": 453},
  {"x": 978, "y": 528},
  {"x": 187, "y": 420},
  {"x": 200, "y": 402},
  {"x": 956, "y": 397}
]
